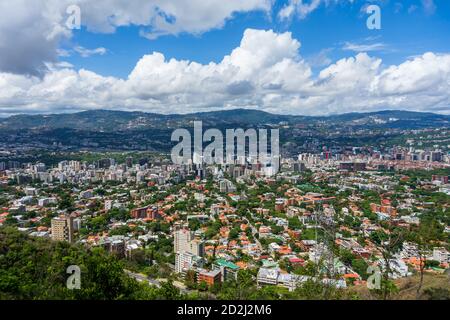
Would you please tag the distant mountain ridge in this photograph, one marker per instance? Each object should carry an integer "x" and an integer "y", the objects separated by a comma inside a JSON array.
[{"x": 110, "y": 120}]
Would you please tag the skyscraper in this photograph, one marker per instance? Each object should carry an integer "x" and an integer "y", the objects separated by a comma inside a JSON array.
[
  {"x": 181, "y": 240},
  {"x": 62, "y": 229},
  {"x": 187, "y": 250}
]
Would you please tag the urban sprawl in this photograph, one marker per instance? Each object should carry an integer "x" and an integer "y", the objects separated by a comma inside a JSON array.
[{"x": 337, "y": 219}]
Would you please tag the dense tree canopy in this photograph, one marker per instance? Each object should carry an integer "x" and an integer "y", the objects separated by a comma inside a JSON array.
[{"x": 35, "y": 268}]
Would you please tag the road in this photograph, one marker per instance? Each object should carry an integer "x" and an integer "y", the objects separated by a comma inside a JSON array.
[
  {"x": 254, "y": 232},
  {"x": 142, "y": 278}
]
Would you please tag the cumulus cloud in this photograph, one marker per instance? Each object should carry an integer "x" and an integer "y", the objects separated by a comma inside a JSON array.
[
  {"x": 31, "y": 31},
  {"x": 29, "y": 35},
  {"x": 265, "y": 71}
]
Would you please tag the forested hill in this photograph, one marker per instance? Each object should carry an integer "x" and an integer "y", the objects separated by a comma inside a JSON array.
[
  {"x": 113, "y": 121},
  {"x": 34, "y": 268}
]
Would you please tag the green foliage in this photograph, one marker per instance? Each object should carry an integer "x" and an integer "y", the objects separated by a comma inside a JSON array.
[
  {"x": 309, "y": 269},
  {"x": 431, "y": 263},
  {"x": 437, "y": 294},
  {"x": 119, "y": 214},
  {"x": 346, "y": 256},
  {"x": 3, "y": 201},
  {"x": 191, "y": 279},
  {"x": 316, "y": 290},
  {"x": 66, "y": 202},
  {"x": 360, "y": 266},
  {"x": 387, "y": 289},
  {"x": 120, "y": 231},
  {"x": 294, "y": 223},
  {"x": 242, "y": 289},
  {"x": 213, "y": 230},
  {"x": 378, "y": 237},
  {"x": 35, "y": 268},
  {"x": 194, "y": 224},
  {"x": 169, "y": 292},
  {"x": 234, "y": 233},
  {"x": 308, "y": 234}
]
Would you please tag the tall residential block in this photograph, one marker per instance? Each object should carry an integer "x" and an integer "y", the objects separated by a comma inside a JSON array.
[{"x": 62, "y": 229}]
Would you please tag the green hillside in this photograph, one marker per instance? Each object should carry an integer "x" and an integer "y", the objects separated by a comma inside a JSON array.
[{"x": 34, "y": 268}]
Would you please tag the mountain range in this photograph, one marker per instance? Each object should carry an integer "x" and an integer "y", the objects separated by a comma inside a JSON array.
[{"x": 109, "y": 121}]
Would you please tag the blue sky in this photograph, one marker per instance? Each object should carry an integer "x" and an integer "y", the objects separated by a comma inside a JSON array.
[
  {"x": 326, "y": 30},
  {"x": 311, "y": 57}
]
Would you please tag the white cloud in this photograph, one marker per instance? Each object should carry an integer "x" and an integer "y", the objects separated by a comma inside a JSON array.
[
  {"x": 265, "y": 71},
  {"x": 85, "y": 53},
  {"x": 364, "y": 47},
  {"x": 31, "y": 31},
  {"x": 29, "y": 35},
  {"x": 320, "y": 59},
  {"x": 302, "y": 8},
  {"x": 428, "y": 74}
]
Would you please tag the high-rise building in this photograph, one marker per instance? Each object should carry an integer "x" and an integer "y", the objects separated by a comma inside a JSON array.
[
  {"x": 189, "y": 251},
  {"x": 108, "y": 205},
  {"x": 352, "y": 166},
  {"x": 181, "y": 240},
  {"x": 129, "y": 162},
  {"x": 298, "y": 167},
  {"x": 105, "y": 163},
  {"x": 39, "y": 167},
  {"x": 186, "y": 261},
  {"x": 196, "y": 247},
  {"x": 62, "y": 229}
]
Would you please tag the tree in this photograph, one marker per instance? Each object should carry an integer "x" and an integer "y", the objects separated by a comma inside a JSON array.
[
  {"x": 203, "y": 286},
  {"x": 241, "y": 289},
  {"x": 431, "y": 264},
  {"x": 378, "y": 237},
  {"x": 294, "y": 223},
  {"x": 194, "y": 224},
  {"x": 233, "y": 234},
  {"x": 437, "y": 293},
  {"x": 360, "y": 266},
  {"x": 388, "y": 249},
  {"x": 35, "y": 268},
  {"x": 346, "y": 256},
  {"x": 429, "y": 230},
  {"x": 317, "y": 290},
  {"x": 66, "y": 202},
  {"x": 169, "y": 292},
  {"x": 267, "y": 293},
  {"x": 191, "y": 279}
]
